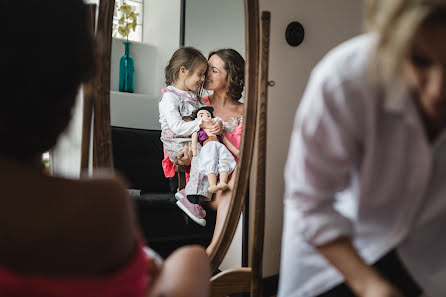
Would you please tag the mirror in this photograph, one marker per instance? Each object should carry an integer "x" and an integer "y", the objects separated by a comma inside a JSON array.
[{"x": 110, "y": 50}]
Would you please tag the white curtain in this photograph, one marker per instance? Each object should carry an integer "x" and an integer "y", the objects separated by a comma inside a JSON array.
[{"x": 65, "y": 157}]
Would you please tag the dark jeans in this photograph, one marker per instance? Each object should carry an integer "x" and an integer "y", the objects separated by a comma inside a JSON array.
[{"x": 391, "y": 268}]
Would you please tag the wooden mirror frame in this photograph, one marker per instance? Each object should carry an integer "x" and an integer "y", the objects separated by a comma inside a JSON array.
[{"x": 97, "y": 102}]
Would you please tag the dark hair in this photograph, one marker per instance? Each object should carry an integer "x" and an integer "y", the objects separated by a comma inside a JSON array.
[
  {"x": 235, "y": 67},
  {"x": 208, "y": 108},
  {"x": 188, "y": 57},
  {"x": 48, "y": 53}
]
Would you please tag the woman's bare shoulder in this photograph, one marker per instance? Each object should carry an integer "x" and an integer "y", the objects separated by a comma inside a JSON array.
[
  {"x": 106, "y": 195},
  {"x": 240, "y": 107},
  {"x": 93, "y": 218},
  {"x": 104, "y": 188}
]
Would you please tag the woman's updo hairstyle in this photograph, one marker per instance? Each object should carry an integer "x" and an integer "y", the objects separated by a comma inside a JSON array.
[
  {"x": 188, "y": 57},
  {"x": 235, "y": 68}
]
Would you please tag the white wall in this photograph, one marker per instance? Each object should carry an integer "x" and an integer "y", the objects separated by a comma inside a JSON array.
[
  {"x": 144, "y": 56},
  {"x": 326, "y": 24},
  {"x": 162, "y": 30},
  {"x": 65, "y": 156},
  {"x": 212, "y": 25}
]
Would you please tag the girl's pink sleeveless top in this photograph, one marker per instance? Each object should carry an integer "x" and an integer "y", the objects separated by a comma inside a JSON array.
[
  {"x": 130, "y": 281},
  {"x": 234, "y": 137}
]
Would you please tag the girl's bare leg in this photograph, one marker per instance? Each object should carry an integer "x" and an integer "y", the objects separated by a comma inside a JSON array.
[{"x": 220, "y": 203}]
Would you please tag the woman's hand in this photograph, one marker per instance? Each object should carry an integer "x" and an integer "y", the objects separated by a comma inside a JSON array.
[
  {"x": 185, "y": 157},
  {"x": 214, "y": 127}
]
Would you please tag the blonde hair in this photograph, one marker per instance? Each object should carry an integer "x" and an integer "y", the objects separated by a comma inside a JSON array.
[
  {"x": 188, "y": 57},
  {"x": 396, "y": 22}
]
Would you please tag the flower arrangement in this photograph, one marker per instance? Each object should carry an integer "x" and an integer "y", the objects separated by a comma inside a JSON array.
[{"x": 128, "y": 19}]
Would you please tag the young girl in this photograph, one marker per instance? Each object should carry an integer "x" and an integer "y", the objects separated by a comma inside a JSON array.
[{"x": 184, "y": 76}]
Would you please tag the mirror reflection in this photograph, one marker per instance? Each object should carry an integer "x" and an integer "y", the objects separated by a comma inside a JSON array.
[{"x": 171, "y": 212}]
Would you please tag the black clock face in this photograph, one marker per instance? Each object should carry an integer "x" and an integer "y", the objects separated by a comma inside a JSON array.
[{"x": 294, "y": 33}]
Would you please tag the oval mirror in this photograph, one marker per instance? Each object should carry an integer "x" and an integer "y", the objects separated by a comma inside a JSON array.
[{"x": 126, "y": 129}]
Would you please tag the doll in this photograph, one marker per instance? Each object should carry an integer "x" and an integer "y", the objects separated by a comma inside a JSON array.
[{"x": 215, "y": 160}]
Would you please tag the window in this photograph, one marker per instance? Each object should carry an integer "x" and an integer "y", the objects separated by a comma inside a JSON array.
[{"x": 138, "y": 6}]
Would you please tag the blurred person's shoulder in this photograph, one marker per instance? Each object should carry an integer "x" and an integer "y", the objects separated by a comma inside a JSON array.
[
  {"x": 65, "y": 219},
  {"x": 348, "y": 61}
]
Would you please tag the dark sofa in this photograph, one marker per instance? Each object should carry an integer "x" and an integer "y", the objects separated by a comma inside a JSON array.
[{"x": 137, "y": 155}]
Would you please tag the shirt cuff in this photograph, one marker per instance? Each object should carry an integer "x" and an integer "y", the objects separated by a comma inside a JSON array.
[
  {"x": 199, "y": 122},
  {"x": 321, "y": 228}
]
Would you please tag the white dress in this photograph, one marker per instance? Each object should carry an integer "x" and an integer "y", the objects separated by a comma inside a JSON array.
[
  {"x": 360, "y": 165},
  {"x": 175, "y": 132}
]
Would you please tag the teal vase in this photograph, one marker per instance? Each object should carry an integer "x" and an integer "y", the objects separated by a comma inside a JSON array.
[{"x": 126, "y": 71}]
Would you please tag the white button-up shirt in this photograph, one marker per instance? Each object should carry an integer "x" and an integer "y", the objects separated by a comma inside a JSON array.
[{"x": 360, "y": 165}]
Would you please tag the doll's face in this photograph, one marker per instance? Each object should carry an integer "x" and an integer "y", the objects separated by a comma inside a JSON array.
[{"x": 204, "y": 115}]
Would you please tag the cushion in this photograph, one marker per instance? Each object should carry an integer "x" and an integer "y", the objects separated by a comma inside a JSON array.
[{"x": 137, "y": 155}]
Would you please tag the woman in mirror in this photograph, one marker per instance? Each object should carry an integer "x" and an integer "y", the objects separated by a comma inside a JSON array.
[
  {"x": 64, "y": 237},
  {"x": 225, "y": 77},
  {"x": 365, "y": 206}
]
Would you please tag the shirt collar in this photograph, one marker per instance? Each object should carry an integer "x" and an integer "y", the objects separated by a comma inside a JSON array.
[{"x": 398, "y": 98}]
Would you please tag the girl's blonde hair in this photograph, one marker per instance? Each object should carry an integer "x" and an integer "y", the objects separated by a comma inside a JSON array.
[
  {"x": 396, "y": 22},
  {"x": 188, "y": 57}
]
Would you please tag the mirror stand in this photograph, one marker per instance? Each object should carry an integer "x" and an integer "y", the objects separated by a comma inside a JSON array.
[{"x": 97, "y": 96}]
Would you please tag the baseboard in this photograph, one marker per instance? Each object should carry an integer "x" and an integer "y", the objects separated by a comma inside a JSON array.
[{"x": 270, "y": 285}]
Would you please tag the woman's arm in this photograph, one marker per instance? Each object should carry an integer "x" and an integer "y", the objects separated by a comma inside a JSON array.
[
  {"x": 363, "y": 279},
  {"x": 185, "y": 273},
  {"x": 230, "y": 146}
]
